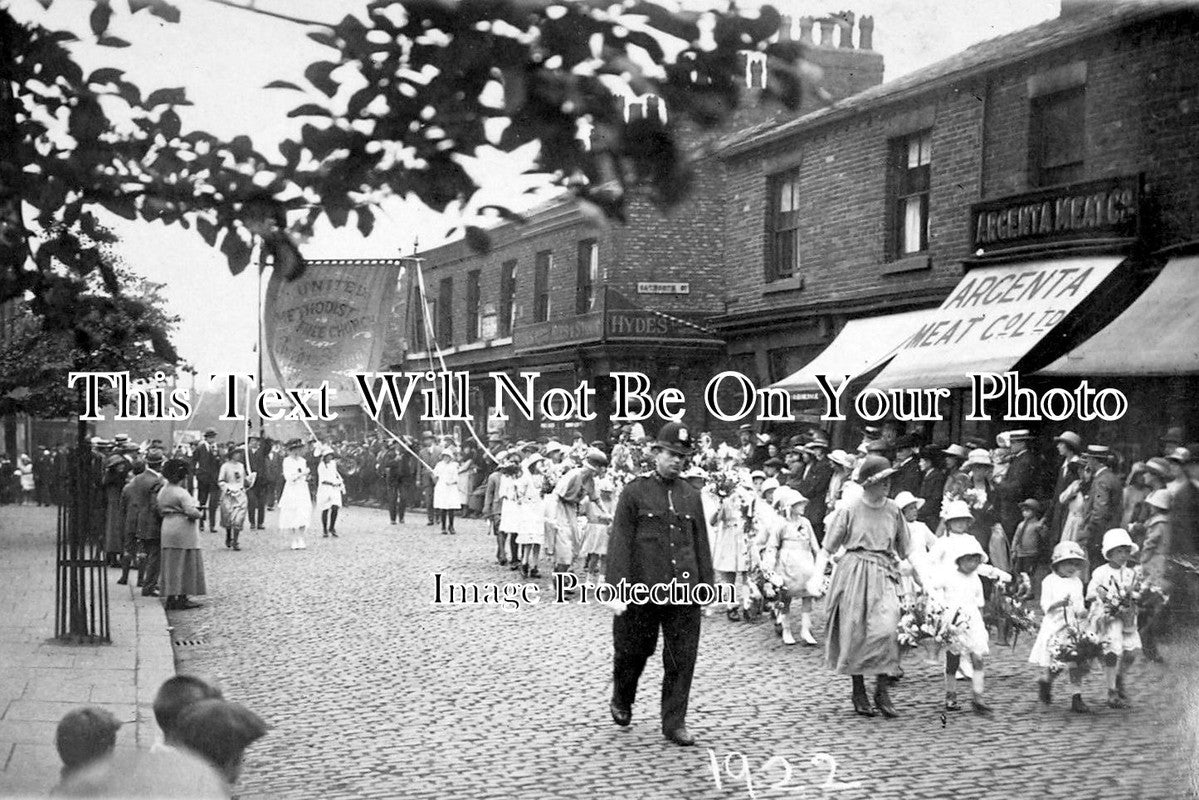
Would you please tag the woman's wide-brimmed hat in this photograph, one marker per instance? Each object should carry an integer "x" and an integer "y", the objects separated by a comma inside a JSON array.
[
  {"x": 874, "y": 469},
  {"x": 1159, "y": 499},
  {"x": 1071, "y": 439},
  {"x": 957, "y": 451},
  {"x": 292, "y": 444},
  {"x": 841, "y": 459},
  {"x": 905, "y": 499},
  {"x": 979, "y": 458}
]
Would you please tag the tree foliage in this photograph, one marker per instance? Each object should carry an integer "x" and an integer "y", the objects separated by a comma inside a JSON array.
[{"x": 409, "y": 89}]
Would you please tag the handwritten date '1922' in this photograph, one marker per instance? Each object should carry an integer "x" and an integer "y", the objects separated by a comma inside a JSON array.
[{"x": 736, "y": 767}]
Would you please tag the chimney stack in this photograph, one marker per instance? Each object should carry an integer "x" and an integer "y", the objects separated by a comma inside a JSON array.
[
  {"x": 805, "y": 29},
  {"x": 847, "y": 18},
  {"x": 827, "y": 25},
  {"x": 785, "y": 24}
]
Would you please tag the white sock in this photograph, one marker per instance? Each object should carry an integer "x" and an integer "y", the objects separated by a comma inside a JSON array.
[{"x": 976, "y": 682}]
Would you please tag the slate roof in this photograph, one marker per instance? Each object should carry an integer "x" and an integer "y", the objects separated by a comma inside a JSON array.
[{"x": 984, "y": 56}]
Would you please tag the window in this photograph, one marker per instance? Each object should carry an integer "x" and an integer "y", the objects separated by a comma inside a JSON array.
[
  {"x": 588, "y": 275},
  {"x": 472, "y": 306},
  {"x": 782, "y": 226},
  {"x": 445, "y": 316},
  {"x": 911, "y": 158},
  {"x": 507, "y": 315},
  {"x": 541, "y": 286},
  {"x": 1057, "y": 137}
]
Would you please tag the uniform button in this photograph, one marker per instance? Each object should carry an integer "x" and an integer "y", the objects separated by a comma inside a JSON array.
[{"x": 672, "y": 561}]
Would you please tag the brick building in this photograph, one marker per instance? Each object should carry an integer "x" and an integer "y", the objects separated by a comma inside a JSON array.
[
  {"x": 1070, "y": 145},
  {"x": 560, "y": 296}
]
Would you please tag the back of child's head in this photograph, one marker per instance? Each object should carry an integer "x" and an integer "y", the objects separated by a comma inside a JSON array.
[
  {"x": 220, "y": 731},
  {"x": 175, "y": 695},
  {"x": 84, "y": 735}
]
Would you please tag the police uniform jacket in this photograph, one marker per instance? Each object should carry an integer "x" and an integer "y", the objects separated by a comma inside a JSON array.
[{"x": 659, "y": 534}]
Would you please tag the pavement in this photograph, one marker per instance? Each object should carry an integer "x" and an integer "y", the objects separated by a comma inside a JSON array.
[
  {"x": 41, "y": 679},
  {"x": 372, "y": 690}
]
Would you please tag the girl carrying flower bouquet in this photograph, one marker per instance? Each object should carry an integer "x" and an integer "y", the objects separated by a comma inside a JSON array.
[
  {"x": 1061, "y": 600},
  {"x": 789, "y": 562},
  {"x": 1113, "y": 590},
  {"x": 961, "y": 592}
]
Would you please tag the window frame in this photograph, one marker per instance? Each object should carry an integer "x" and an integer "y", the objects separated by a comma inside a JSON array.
[
  {"x": 473, "y": 305},
  {"x": 909, "y": 183},
  {"x": 543, "y": 264},
  {"x": 1041, "y": 174},
  {"x": 587, "y": 276},
  {"x": 506, "y": 319},
  {"x": 783, "y": 223},
  {"x": 445, "y": 315}
]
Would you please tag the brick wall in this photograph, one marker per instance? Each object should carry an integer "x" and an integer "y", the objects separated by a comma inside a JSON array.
[{"x": 1142, "y": 115}]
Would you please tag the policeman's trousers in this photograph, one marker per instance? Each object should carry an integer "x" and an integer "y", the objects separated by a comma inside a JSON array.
[{"x": 635, "y": 636}]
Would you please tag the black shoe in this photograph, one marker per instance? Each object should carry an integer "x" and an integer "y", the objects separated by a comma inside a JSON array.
[
  {"x": 882, "y": 700},
  {"x": 1078, "y": 706},
  {"x": 1045, "y": 692},
  {"x": 236, "y": 546},
  {"x": 861, "y": 705},
  {"x": 534, "y": 573},
  {"x": 123, "y": 580},
  {"x": 186, "y": 604},
  {"x": 621, "y": 716},
  {"x": 1120, "y": 687},
  {"x": 452, "y": 531},
  {"x": 524, "y": 570},
  {"x": 980, "y": 706},
  {"x": 680, "y": 737},
  {"x": 334, "y": 534},
  {"x": 149, "y": 591},
  {"x": 430, "y": 524}
]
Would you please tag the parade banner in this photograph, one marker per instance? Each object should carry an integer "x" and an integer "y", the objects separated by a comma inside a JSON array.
[{"x": 329, "y": 324}]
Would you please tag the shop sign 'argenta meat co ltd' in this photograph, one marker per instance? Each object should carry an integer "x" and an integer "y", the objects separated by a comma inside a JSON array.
[{"x": 1104, "y": 209}]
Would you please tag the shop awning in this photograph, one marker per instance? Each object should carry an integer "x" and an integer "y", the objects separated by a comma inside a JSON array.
[
  {"x": 860, "y": 346},
  {"x": 1157, "y": 335},
  {"x": 992, "y": 319}
]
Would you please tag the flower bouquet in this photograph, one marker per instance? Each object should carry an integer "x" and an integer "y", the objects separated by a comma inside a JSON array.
[
  {"x": 923, "y": 620},
  {"x": 1119, "y": 601},
  {"x": 1075, "y": 649},
  {"x": 1149, "y": 596},
  {"x": 1006, "y": 613},
  {"x": 724, "y": 483}
]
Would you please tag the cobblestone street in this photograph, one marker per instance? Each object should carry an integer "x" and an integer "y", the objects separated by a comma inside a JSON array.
[{"x": 374, "y": 691}]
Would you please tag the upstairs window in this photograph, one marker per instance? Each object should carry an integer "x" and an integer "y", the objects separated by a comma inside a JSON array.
[
  {"x": 1057, "y": 137},
  {"x": 782, "y": 226},
  {"x": 445, "y": 316},
  {"x": 472, "y": 305},
  {"x": 588, "y": 270},
  {"x": 507, "y": 315},
  {"x": 911, "y": 166},
  {"x": 541, "y": 286}
]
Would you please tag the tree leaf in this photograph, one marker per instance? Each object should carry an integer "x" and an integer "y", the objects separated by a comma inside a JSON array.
[
  {"x": 366, "y": 221},
  {"x": 208, "y": 231},
  {"x": 100, "y": 17},
  {"x": 478, "y": 239},
  {"x": 236, "y": 251},
  {"x": 169, "y": 124},
  {"x": 167, "y": 97},
  {"x": 283, "y": 85},
  {"x": 111, "y": 41},
  {"x": 105, "y": 75},
  {"x": 318, "y": 75},
  {"x": 309, "y": 110}
]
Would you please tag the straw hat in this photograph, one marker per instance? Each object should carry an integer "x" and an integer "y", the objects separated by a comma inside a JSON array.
[
  {"x": 957, "y": 451},
  {"x": 769, "y": 484},
  {"x": 785, "y": 497},
  {"x": 874, "y": 469},
  {"x": 961, "y": 546},
  {"x": 979, "y": 458},
  {"x": 1067, "y": 551},
  {"x": 956, "y": 509},
  {"x": 842, "y": 459},
  {"x": 1159, "y": 499}
]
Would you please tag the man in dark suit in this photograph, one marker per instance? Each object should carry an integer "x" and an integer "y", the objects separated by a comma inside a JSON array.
[
  {"x": 817, "y": 475},
  {"x": 1104, "y": 505},
  {"x": 257, "y": 494},
  {"x": 659, "y": 536},
  {"x": 206, "y": 465},
  {"x": 1022, "y": 481},
  {"x": 932, "y": 486},
  {"x": 907, "y": 477},
  {"x": 143, "y": 496}
]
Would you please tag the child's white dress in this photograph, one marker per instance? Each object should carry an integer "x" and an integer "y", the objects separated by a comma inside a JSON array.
[
  {"x": 1054, "y": 589},
  {"x": 922, "y": 540},
  {"x": 1121, "y": 634},
  {"x": 962, "y": 595}
]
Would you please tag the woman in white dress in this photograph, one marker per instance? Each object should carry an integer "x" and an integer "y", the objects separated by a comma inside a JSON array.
[
  {"x": 295, "y": 504},
  {"x": 330, "y": 488},
  {"x": 445, "y": 489},
  {"x": 530, "y": 520}
]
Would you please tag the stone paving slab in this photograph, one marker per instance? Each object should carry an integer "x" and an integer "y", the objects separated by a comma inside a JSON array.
[{"x": 41, "y": 679}]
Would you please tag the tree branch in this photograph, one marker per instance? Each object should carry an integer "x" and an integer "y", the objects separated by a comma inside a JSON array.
[{"x": 273, "y": 14}]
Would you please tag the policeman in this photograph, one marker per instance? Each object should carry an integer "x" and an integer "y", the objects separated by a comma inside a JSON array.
[{"x": 659, "y": 535}]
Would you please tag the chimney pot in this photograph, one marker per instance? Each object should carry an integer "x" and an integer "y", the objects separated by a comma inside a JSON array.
[
  {"x": 785, "y": 23},
  {"x": 847, "y": 18},
  {"x": 826, "y": 32},
  {"x": 866, "y": 33},
  {"x": 805, "y": 29},
  {"x": 636, "y": 111},
  {"x": 757, "y": 73},
  {"x": 653, "y": 108}
]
